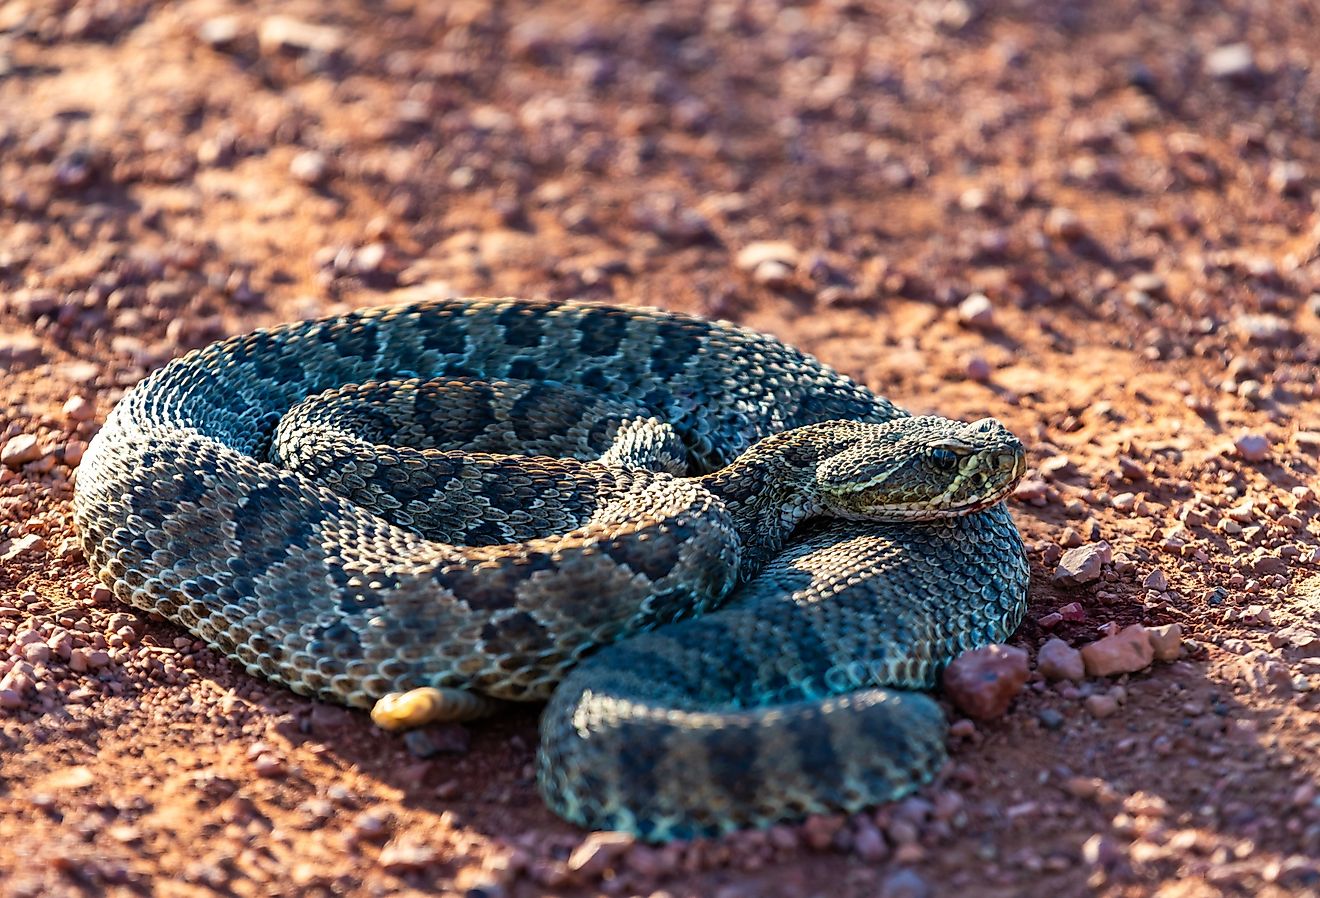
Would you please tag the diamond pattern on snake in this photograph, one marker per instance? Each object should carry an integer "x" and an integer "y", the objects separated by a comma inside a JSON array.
[{"x": 730, "y": 570}]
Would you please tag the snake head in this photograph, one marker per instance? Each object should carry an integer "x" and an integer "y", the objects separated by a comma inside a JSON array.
[{"x": 921, "y": 469}]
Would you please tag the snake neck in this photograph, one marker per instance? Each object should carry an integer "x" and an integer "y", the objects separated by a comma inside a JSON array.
[{"x": 768, "y": 491}]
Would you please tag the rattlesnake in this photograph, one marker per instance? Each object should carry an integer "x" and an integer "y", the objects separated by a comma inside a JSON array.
[{"x": 353, "y": 571}]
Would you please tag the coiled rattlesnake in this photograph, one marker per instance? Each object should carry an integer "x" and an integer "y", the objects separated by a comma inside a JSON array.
[{"x": 850, "y": 550}]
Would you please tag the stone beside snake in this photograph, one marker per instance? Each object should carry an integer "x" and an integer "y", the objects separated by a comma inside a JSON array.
[{"x": 851, "y": 550}]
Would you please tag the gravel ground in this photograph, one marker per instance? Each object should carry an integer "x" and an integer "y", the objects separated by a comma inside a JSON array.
[{"x": 1096, "y": 222}]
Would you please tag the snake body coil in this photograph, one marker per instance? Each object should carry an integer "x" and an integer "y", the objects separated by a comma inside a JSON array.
[{"x": 838, "y": 552}]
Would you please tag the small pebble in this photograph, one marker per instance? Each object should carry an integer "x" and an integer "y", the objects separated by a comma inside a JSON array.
[
  {"x": 451, "y": 738},
  {"x": 19, "y": 450},
  {"x": 407, "y": 856},
  {"x": 1146, "y": 804},
  {"x": 310, "y": 167},
  {"x": 1287, "y": 177},
  {"x": 1148, "y": 282},
  {"x": 1127, "y": 651},
  {"x": 280, "y": 34},
  {"x": 1129, "y": 469},
  {"x": 373, "y": 824},
  {"x": 1101, "y": 706},
  {"x": 869, "y": 844},
  {"x": 220, "y": 32},
  {"x": 1252, "y": 447},
  {"x": 1156, "y": 580},
  {"x": 977, "y": 311},
  {"x": 1124, "y": 502},
  {"x": 1232, "y": 62},
  {"x": 1083, "y": 564},
  {"x": 1266, "y": 330},
  {"x": 1166, "y": 641},
  {"x": 773, "y": 274},
  {"x": 598, "y": 852},
  {"x": 975, "y": 199},
  {"x": 976, "y": 368},
  {"x": 819, "y": 830},
  {"x": 1065, "y": 224},
  {"x": 268, "y": 765},
  {"x": 1050, "y": 719},
  {"x": 1057, "y": 660},
  {"x": 1032, "y": 490},
  {"x": 1101, "y": 851},
  {"x": 78, "y": 408},
  {"x": 1263, "y": 672},
  {"x": 72, "y": 453},
  {"x": 754, "y": 255},
  {"x": 370, "y": 258}
]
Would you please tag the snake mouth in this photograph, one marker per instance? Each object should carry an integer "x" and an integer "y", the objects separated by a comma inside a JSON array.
[
  {"x": 997, "y": 486},
  {"x": 1002, "y": 492}
]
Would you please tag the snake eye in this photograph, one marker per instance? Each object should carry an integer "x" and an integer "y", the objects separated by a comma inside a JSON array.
[{"x": 944, "y": 459}]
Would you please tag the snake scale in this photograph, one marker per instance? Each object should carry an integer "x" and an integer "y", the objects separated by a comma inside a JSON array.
[{"x": 461, "y": 501}]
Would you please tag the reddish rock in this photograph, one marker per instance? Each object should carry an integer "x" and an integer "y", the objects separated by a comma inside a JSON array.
[
  {"x": 984, "y": 681},
  {"x": 1057, "y": 660},
  {"x": 1127, "y": 651}
]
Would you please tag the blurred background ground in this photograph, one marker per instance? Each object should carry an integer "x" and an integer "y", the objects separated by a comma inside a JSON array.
[{"x": 1096, "y": 222}]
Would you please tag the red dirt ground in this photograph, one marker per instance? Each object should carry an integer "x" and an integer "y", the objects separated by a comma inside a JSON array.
[{"x": 1131, "y": 185}]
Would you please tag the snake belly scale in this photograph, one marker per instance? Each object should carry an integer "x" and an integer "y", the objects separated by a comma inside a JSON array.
[{"x": 773, "y": 558}]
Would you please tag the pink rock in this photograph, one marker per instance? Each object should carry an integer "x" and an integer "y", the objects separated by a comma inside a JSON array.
[
  {"x": 1073, "y": 611},
  {"x": 1252, "y": 447},
  {"x": 1166, "y": 641},
  {"x": 1032, "y": 490},
  {"x": 984, "y": 681},
  {"x": 1127, "y": 651},
  {"x": 1057, "y": 660},
  {"x": 1101, "y": 706},
  {"x": 976, "y": 368},
  {"x": 79, "y": 409}
]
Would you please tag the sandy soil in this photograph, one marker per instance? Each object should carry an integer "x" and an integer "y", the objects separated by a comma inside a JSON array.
[{"x": 1131, "y": 187}]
